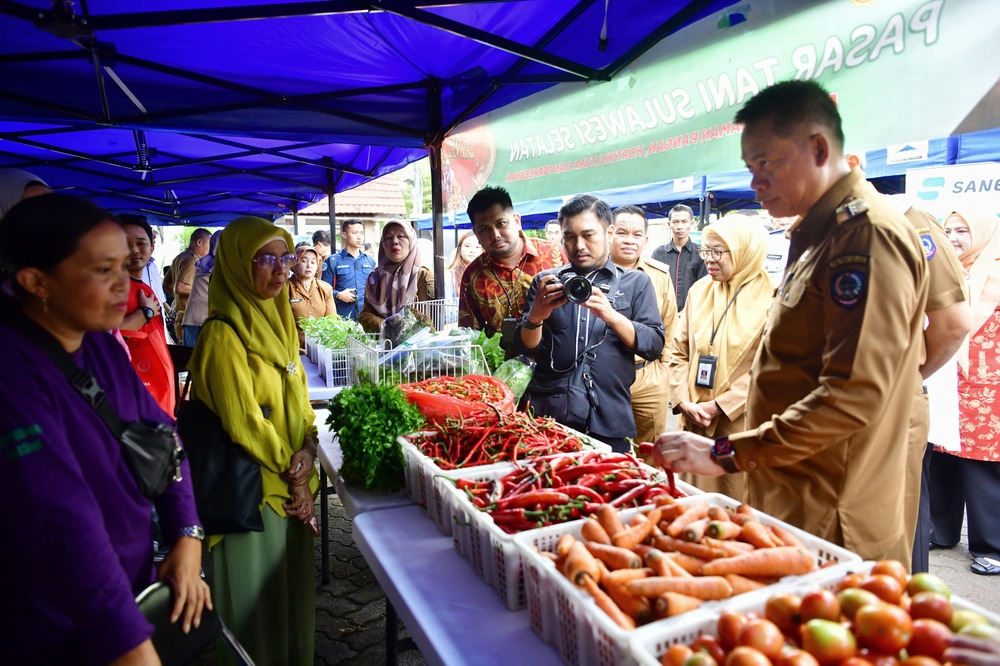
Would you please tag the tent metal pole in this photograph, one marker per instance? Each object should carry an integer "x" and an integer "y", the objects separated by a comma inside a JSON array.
[
  {"x": 436, "y": 139},
  {"x": 331, "y": 188}
]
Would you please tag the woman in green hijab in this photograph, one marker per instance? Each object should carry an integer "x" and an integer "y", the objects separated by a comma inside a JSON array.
[{"x": 246, "y": 368}]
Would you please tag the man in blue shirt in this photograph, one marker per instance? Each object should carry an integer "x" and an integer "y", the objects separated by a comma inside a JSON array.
[
  {"x": 348, "y": 270},
  {"x": 613, "y": 318}
]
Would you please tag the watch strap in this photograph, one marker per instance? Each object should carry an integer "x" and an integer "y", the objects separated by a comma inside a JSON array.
[
  {"x": 530, "y": 326},
  {"x": 193, "y": 531},
  {"x": 724, "y": 455}
]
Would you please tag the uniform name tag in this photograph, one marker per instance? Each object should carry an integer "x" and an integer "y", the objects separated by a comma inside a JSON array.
[{"x": 706, "y": 371}]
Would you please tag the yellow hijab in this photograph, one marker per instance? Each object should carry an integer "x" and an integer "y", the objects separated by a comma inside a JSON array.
[
  {"x": 707, "y": 300},
  {"x": 982, "y": 263},
  {"x": 265, "y": 326}
]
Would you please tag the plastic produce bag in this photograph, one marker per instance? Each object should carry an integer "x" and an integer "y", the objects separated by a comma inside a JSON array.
[
  {"x": 516, "y": 373},
  {"x": 403, "y": 325}
]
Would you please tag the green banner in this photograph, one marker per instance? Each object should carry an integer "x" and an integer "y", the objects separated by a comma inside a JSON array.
[{"x": 901, "y": 70}]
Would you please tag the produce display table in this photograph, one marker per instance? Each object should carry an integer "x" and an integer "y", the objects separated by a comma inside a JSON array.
[
  {"x": 318, "y": 390},
  {"x": 453, "y": 617}
]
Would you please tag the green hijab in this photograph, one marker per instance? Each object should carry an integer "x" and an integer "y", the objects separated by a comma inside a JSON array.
[{"x": 265, "y": 326}]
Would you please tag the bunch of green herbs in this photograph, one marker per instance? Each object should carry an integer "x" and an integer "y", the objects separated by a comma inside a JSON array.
[{"x": 330, "y": 331}]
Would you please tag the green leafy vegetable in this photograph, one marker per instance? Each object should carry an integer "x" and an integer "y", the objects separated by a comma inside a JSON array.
[
  {"x": 516, "y": 374},
  {"x": 368, "y": 419},
  {"x": 491, "y": 349},
  {"x": 330, "y": 331}
]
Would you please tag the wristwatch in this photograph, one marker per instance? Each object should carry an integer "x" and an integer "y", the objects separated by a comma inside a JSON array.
[
  {"x": 147, "y": 312},
  {"x": 195, "y": 531},
  {"x": 724, "y": 455},
  {"x": 529, "y": 326}
]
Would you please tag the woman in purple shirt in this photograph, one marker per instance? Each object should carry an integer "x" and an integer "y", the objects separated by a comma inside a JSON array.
[{"x": 75, "y": 533}]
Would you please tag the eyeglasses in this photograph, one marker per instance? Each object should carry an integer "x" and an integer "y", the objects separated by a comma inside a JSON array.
[
  {"x": 267, "y": 261},
  {"x": 713, "y": 252}
]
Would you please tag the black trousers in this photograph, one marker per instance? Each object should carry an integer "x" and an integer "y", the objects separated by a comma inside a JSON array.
[
  {"x": 958, "y": 486},
  {"x": 922, "y": 538}
]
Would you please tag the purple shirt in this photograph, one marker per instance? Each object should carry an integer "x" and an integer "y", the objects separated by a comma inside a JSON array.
[{"x": 75, "y": 533}]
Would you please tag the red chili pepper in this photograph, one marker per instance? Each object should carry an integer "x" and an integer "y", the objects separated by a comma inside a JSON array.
[
  {"x": 577, "y": 491},
  {"x": 629, "y": 496},
  {"x": 541, "y": 497}
]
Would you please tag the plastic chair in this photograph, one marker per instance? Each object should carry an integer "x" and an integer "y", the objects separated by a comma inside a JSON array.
[{"x": 174, "y": 646}]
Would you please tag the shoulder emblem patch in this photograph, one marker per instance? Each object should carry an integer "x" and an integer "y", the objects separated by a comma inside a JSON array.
[
  {"x": 930, "y": 248},
  {"x": 849, "y": 287}
]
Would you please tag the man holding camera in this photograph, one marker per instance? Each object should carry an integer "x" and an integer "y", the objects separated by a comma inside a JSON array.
[{"x": 587, "y": 315}]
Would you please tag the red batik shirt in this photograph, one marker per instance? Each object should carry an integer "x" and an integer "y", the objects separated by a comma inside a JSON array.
[{"x": 491, "y": 291}]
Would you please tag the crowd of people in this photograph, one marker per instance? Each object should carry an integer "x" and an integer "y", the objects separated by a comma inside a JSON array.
[{"x": 800, "y": 391}]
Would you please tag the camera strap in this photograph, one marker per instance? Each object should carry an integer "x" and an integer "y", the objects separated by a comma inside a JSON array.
[{"x": 80, "y": 379}]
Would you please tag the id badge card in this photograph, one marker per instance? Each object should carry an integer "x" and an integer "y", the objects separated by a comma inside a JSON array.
[{"x": 706, "y": 371}]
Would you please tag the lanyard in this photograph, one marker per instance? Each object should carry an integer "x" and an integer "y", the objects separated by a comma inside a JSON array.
[{"x": 711, "y": 341}]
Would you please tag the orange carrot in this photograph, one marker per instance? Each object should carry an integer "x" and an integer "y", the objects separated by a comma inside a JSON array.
[
  {"x": 742, "y": 584},
  {"x": 592, "y": 531},
  {"x": 785, "y": 537},
  {"x": 637, "y": 608},
  {"x": 632, "y": 536},
  {"x": 696, "y": 530},
  {"x": 730, "y": 547},
  {"x": 613, "y": 556},
  {"x": 625, "y": 575},
  {"x": 723, "y": 529},
  {"x": 605, "y": 603},
  {"x": 609, "y": 519},
  {"x": 663, "y": 565},
  {"x": 700, "y": 550},
  {"x": 672, "y": 604},
  {"x": 755, "y": 533},
  {"x": 706, "y": 587},
  {"x": 782, "y": 561},
  {"x": 690, "y": 564},
  {"x": 741, "y": 518},
  {"x": 693, "y": 513},
  {"x": 670, "y": 513},
  {"x": 744, "y": 509},
  {"x": 565, "y": 542},
  {"x": 580, "y": 564},
  {"x": 665, "y": 500},
  {"x": 547, "y": 554},
  {"x": 718, "y": 513}
]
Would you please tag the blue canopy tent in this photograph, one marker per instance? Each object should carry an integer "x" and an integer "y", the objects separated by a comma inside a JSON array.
[{"x": 314, "y": 74}]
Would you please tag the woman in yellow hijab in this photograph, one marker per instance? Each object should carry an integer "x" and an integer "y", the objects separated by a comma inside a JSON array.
[
  {"x": 721, "y": 326},
  {"x": 246, "y": 369}
]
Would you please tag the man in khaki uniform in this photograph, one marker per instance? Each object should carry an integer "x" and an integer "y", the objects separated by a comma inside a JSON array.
[
  {"x": 182, "y": 276},
  {"x": 834, "y": 380},
  {"x": 649, "y": 390},
  {"x": 948, "y": 322}
]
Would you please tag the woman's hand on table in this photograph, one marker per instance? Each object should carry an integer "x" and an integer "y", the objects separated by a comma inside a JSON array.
[{"x": 182, "y": 570}]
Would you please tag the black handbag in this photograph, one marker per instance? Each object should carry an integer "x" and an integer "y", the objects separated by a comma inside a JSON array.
[
  {"x": 226, "y": 480},
  {"x": 150, "y": 448}
]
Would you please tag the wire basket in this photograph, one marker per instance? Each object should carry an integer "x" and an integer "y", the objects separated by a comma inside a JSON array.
[
  {"x": 378, "y": 362},
  {"x": 443, "y": 313}
]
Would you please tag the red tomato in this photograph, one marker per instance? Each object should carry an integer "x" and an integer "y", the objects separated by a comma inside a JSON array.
[
  {"x": 676, "y": 655},
  {"x": 729, "y": 626},
  {"x": 920, "y": 661},
  {"x": 892, "y": 568},
  {"x": 821, "y": 604},
  {"x": 931, "y": 605},
  {"x": 711, "y": 645},
  {"x": 853, "y": 598},
  {"x": 879, "y": 659},
  {"x": 701, "y": 659},
  {"x": 746, "y": 656},
  {"x": 850, "y": 580},
  {"x": 783, "y": 610},
  {"x": 930, "y": 639},
  {"x": 829, "y": 642},
  {"x": 797, "y": 657},
  {"x": 856, "y": 661},
  {"x": 885, "y": 587},
  {"x": 883, "y": 627},
  {"x": 763, "y": 635}
]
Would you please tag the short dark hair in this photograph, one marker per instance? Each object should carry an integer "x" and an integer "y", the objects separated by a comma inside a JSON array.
[
  {"x": 791, "y": 104},
  {"x": 56, "y": 222},
  {"x": 552, "y": 222},
  {"x": 200, "y": 233},
  {"x": 350, "y": 222},
  {"x": 581, "y": 203},
  {"x": 681, "y": 208},
  {"x": 321, "y": 236},
  {"x": 486, "y": 198},
  {"x": 303, "y": 244},
  {"x": 629, "y": 209},
  {"x": 133, "y": 220}
]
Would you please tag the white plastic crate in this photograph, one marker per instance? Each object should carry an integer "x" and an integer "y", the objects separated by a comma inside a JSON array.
[
  {"x": 334, "y": 368},
  {"x": 311, "y": 350},
  {"x": 442, "y": 312},
  {"x": 491, "y": 551},
  {"x": 586, "y": 635},
  {"x": 648, "y": 643},
  {"x": 374, "y": 361},
  {"x": 421, "y": 474}
]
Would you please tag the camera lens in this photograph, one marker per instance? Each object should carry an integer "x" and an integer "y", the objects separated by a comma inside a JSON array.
[{"x": 577, "y": 289}]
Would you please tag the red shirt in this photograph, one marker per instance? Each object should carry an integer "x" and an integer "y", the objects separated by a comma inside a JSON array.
[
  {"x": 490, "y": 291},
  {"x": 135, "y": 286}
]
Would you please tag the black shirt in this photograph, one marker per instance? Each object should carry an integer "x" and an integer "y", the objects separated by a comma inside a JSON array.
[
  {"x": 686, "y": 267},
  {"x": 570, "y": 330}
]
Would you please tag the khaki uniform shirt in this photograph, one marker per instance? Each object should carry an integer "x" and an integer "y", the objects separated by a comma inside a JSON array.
[
  {"x": 833, "y": 383},
  {"x": 666, "y": 298},
  {"x": 182, "y": 270}
]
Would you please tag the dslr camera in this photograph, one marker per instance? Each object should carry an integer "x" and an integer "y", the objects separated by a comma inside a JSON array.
[{"x": 576, "y": 287}]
